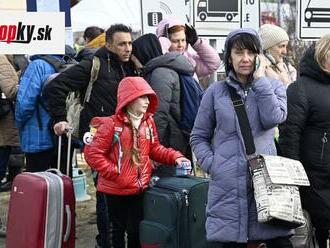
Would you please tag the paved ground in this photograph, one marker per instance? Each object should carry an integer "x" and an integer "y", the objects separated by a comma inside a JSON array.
[{"x": 85, "y": 211}]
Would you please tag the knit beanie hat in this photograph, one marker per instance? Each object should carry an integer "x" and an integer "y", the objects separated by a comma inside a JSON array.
[{"x": 270, "y": 35}]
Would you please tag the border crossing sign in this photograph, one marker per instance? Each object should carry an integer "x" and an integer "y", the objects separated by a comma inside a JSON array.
[
  {"x": 314, "y": 19},
  {"x": 217, "y": 18}
]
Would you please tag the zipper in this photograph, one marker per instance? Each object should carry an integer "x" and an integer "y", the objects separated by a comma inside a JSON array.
[
  {"x": 109, "y": 64},
  {"x": 324, "y": 141},
  {"x": 185, "y": 195}
]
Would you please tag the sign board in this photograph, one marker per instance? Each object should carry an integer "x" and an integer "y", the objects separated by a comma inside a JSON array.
[
  {"x": 314, "y": 19},
  {"x": 54, "y": 6},
  {"x": 153, "y": 11},
  {"x": 217, "y": 18},
  {"x": 13, "y": 5},
  {"x": 31, "y": 32}
]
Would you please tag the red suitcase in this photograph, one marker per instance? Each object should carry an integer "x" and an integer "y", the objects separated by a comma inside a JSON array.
[{"x": 42, "y": 210}]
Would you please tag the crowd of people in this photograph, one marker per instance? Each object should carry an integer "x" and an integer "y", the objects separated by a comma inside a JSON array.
[{"x": 133, "y": 113}]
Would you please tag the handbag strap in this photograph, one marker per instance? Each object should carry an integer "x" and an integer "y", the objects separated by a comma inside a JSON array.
[{"x": 243, "y": 121}]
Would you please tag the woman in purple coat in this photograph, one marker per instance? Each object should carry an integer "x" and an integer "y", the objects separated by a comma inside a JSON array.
[{"x": 218, "y": 144}]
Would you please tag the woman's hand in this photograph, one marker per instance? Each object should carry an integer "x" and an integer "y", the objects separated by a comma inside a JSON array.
[{"x": 261, "y": 65}]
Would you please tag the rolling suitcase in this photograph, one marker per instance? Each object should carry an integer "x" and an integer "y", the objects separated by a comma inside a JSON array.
[
  {"x": 42, "y": 209},
  {"x": 174, "y": 213}
]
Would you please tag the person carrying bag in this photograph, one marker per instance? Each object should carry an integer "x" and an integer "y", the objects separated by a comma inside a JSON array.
[{"x": 275, "y": 178}]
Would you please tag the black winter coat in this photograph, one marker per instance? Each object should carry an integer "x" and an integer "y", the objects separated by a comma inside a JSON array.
[
  {"x": 306, "y": 135},
  {"x": 103, "y": 98}
]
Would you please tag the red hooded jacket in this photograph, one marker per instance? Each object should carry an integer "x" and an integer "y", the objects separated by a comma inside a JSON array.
[{"x": 114, "y": 137}]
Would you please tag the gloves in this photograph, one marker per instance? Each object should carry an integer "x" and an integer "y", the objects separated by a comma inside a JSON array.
[{"x": 191, "y": 34}]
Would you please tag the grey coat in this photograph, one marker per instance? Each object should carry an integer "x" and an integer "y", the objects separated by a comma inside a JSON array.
[
  {"x": 218, "y": 145},
  {"x": 162, "y": 75}
]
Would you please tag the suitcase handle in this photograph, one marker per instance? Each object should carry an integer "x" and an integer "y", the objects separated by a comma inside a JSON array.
[
  {"x": 68, "y": 223},
  {"x": 68, "y": 133}
]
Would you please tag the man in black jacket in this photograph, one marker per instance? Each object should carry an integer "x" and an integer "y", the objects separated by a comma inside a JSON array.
[{"x": 114, "y": 65}]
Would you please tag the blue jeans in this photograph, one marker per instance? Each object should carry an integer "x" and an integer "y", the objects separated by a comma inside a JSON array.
[{"x": 4, "y": 157}]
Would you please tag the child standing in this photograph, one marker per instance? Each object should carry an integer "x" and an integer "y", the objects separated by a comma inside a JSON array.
[{"x": 121, "y": 151}]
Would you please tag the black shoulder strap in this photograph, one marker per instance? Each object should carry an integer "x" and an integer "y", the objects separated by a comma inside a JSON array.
[
  {"x": 243, "y": 121},
  {"x": 53, "y": 61}
]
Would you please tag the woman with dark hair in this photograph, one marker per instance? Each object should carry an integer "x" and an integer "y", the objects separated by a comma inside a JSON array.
[{"x": 218, "y": 144}]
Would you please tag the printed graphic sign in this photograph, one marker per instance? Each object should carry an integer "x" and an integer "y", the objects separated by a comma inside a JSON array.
[
  {"x": 216, "y": 18},
  {"x": 153, "y": 11},
  {"x": 32, "y": 32},
  {"x": 54, "y": 6},
  {"x": 314, "y": 18}
]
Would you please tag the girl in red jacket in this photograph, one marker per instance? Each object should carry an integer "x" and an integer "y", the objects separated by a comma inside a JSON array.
[{"x": 121, "y": 151}]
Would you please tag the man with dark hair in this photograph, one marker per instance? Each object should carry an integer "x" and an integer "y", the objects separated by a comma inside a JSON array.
[{"x": 115, "y": 64}]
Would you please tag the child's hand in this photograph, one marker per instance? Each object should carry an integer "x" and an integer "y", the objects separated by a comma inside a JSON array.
[
  {"x": 183, "y": 166},
  {"x": 182, "y": 159}
]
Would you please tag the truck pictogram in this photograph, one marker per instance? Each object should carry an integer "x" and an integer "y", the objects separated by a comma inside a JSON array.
[{"x": 217, "y": 8}]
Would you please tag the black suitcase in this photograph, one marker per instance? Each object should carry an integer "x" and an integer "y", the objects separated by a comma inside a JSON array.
[{"x": 174, "y": 213}]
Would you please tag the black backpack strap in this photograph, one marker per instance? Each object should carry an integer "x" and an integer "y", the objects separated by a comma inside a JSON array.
[
  {"x": 57, "y": 64},
  {"x": 243, "y": 121}
]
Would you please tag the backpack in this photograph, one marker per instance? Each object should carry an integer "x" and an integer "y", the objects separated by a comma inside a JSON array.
[
  {"x": 59, "y": 66},
  {"x": 74, "y": 103},
  {"x": 191, "y": 96}
]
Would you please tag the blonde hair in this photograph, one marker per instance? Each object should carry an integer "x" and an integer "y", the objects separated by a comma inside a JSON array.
[{"x": 322, "y": 51}]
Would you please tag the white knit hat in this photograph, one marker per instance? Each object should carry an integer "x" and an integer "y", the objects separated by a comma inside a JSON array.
[{"x": 270, "y": 35}]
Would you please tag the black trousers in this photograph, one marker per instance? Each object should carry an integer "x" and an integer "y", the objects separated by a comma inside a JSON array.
[
  {"x": 125, "y": 213},
  {"x": 40, "y": 161},
  {"x": 322, "y": 236},
  {"x": 282, "y": 242}
]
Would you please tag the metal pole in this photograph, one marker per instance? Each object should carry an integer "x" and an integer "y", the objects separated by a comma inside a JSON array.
[
  {"x": 279, "y": 21},
  {"x": 213, "y": 76}
]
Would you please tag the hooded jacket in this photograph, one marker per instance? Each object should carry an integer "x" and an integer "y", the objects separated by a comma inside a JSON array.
[
  {"x": 103, "y": 98},
  {"x": 305, "y": 135},
  {"x": 34, "y": 136},
  {"x": 201, "y": 55},
  {"x": 218, "y": 144},
  {"x": 161, "y": 71},
  {"x": 163, "y": 75},
  {"x": 119, "y": 176}
]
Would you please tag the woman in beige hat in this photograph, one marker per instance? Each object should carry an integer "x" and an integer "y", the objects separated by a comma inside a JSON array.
[{"x": 274, "y": 41}]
